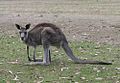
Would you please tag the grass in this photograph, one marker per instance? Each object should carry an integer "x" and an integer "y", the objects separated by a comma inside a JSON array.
[{"x": 62, "y": 70}]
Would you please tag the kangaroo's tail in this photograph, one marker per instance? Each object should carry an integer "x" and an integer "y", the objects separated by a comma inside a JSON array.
[{"x": 79, "y": 61}]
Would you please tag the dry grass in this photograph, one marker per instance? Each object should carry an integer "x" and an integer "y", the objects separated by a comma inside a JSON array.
[{"x": 84, "y": 7}]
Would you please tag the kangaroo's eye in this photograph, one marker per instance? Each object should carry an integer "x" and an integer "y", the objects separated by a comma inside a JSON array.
[{"x": 25, "y": 33}]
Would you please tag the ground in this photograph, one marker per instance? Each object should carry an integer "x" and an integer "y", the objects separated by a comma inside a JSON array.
[
  {"x": 95, "y": 20},
  {"x": 93, "y": 23}
]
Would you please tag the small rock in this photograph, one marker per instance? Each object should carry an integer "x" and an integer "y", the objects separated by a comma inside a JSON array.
[
  {"x": 55, "y": 15},
  {"x": 18, "y": 15},
  {"x": 41, "y": 16}
]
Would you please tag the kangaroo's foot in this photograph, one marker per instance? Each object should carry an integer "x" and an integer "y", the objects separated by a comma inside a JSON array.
[
  {"x": 36, "y": 63},
  {"x": 29, "y": 59},
  {"x": 37, "y": 60}
]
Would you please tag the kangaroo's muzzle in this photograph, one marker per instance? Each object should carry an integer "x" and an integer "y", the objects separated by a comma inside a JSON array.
[{"x": 22, "y": 38}]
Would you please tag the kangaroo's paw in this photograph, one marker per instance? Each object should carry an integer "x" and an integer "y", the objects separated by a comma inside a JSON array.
[
  {"x": 34, "y": 60},
  {"x": 37, "y": 60},
  {"x": 29, "y": 59}
]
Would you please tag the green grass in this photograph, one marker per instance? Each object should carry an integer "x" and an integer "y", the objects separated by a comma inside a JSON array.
[{"x": 62, "y": 70}]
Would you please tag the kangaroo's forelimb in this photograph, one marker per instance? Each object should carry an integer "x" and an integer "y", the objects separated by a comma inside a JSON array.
[
  {"x": 29, "y": 59},
  {"x": 34, "y": 56},
  {"x": 46, "y": 59}
]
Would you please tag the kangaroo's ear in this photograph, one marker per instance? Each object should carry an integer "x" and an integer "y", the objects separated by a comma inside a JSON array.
[
  {"x": 18, "y": 26},
  {"x": 27, "y": 26}
]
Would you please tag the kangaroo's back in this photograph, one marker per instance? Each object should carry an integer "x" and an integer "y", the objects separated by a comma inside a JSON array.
[
  {"x": 40, "y": 27},
  {"x": 50, "y": 30}
]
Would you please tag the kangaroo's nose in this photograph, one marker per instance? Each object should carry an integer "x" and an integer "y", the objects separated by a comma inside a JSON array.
[{"x": 22, "y": 38}]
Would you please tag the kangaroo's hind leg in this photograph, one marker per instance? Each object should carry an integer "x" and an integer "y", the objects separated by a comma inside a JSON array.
[
  {"x": 40, "y": 60},
  {"x": 47, "y": 56}
]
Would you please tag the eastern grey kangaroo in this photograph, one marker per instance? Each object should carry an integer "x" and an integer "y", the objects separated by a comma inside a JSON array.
[{"x": 48, "y": 34}]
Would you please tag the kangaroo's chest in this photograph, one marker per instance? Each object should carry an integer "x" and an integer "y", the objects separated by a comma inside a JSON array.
[{"x": 33, "y": 41}]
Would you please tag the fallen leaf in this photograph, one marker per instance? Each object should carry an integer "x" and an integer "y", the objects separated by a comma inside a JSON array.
[
  {"x": 16, "y": 78},
  {"x": 83, "y": 78},
  {"x": 103, "y": 68},
  {"x": 56, "y": 51},
  {"x": 10, "y": 72},
  {"x": 117, "y": 82},
  {"x": 1, "y": 63},
  {"x": 19, "y": 72},
  {"x": 96, "y": 54},
  {"x": 63, "y": 77},
  {"x": 96, "y": 69},
  {"x": 14, "y": 62},
  {"x": 76, "y": 82},
  {"x": 99, "y": 78},
  {"x": 117, "y": 68},
  {"x": 84, "y": 34},
  {"x": 64, "y": 68},
  {"x": 77, "y": 73}
]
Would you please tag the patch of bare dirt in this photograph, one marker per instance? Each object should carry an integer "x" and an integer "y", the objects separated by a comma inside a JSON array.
[
  {"x": 101, "y": 29},
  {"x": 80, "y": 20}
]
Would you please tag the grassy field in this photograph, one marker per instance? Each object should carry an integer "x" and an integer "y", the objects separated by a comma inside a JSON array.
[
  {"x": 62, "y": 70},
  {"x": 13, "y": 54}
]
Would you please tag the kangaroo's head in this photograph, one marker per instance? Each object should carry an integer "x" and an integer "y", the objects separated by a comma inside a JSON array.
[{"x": 23, "y": 31}]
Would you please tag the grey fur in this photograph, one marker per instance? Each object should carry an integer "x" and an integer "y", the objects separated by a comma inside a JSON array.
[{"x": 48, "y": 34}]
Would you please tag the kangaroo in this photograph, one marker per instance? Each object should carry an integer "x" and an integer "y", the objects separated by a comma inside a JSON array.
[
  {"x": 26, "y": 37},
  {"x": 48, "y": 34}
]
